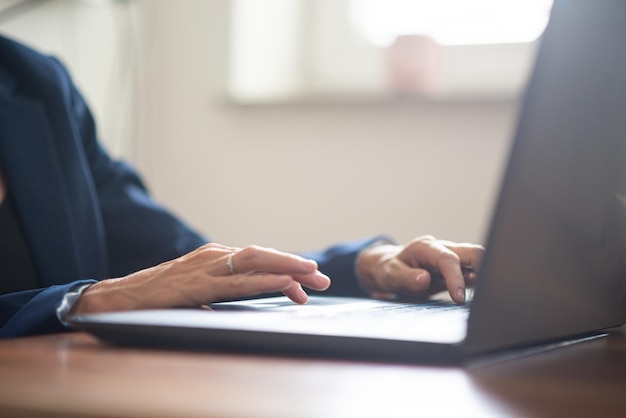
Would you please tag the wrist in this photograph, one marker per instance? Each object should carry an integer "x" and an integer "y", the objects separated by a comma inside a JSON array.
[
  {"x": 70, "y": 299},
  {"x": 370, "y": 263},
  {"x": 103, "y": 296}
]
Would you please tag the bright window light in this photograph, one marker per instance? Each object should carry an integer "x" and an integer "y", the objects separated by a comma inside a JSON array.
[{"x": 452, "y": 22}]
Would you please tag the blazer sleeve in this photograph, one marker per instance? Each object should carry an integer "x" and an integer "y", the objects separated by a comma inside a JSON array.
[{"x": 34, "y": 311}]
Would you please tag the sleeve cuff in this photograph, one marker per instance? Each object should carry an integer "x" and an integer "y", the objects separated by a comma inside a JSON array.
[{"x": 69, "y": 300}]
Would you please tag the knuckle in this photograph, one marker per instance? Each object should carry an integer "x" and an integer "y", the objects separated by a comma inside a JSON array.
[
  {"x": 447, "y": 258},
  {"x": 253, "y": 249},
  {"x": 205, "y": 250},
  {"x": 423, "y": 241},
  {"x": 250, "y": 253},
  {"x": 237, "y": 283},
  {"x": 426, "y": 239},
  {"x": 420, "y": 286},
  {"x": 207, "y": 247}
]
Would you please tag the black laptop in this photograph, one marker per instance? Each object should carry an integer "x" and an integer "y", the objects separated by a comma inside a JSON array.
[{"x": 555, "y": 266}]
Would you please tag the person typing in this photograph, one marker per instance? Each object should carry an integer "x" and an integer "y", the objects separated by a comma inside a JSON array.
[{"x": 79, "y": 231}]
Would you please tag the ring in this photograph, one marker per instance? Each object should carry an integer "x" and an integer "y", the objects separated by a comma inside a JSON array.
[{"x": 229, "y": 263}]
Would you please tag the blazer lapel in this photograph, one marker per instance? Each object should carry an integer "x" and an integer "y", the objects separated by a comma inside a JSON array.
[{"x": 63, "y": 248}]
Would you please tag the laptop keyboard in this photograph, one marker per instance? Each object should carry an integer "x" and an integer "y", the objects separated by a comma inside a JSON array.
[
  {"x": 403, "y": 311},
  {"x": 435, "y": 321},
  {"x": 364, "y": 308}
]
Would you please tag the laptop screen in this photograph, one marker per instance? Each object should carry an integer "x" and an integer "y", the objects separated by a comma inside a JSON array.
[{"x": 556, "y": 251}]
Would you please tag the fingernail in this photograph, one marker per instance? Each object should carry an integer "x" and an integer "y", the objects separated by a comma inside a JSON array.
[
  {"x": 420, "y": 286},
  {"x": 460, "y": 293},
  {"x": 324, "y": 282},
  {"x": 302, "y": 295}
]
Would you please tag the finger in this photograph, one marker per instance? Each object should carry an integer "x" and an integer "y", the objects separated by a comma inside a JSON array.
[
  {"x": 429, "y": 253},
  {"x": 400, "y": 278},
  {"x": 272, "y": 262},
  {"x": 258, "y": 259},
  {"x": 296, "y": 293},
  {"x": 316, "y": 280},
  {"x": 470, "y": 255},
  {"x": 450, "y": 267},
  {"x": 245, "y": 285}
]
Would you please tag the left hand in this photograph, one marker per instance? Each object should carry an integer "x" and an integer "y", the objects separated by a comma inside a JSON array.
[
  {"x": 210, "y": 273},
  {"x": 390, "y": 271}
]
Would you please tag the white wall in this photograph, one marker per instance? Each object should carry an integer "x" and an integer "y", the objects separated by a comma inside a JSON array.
[
  {"x": 302, "y": 176},
  {"x": 295, "y": 177}
]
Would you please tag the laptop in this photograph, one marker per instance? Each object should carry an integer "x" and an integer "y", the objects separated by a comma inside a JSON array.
[{"x": 555, "y": 266}]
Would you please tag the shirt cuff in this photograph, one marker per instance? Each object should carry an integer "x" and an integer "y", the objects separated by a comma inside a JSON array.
[{"x": 69, "y": 300}]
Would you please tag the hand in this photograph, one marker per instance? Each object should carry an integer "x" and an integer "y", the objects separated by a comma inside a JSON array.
[
  {"x": 204, "y": 276},
  {"x": 389, "y": 271}
]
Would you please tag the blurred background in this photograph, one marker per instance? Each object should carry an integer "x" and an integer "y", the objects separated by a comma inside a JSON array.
[{"x": 299, "y": 123}]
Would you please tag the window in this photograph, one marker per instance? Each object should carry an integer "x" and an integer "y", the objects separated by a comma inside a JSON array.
[
  {"x": 303, "y": 50},
  {"x": 451, "y": 22}
]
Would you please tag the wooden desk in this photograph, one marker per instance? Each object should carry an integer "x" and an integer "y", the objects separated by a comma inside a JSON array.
[{"x": 73, "y": 375}]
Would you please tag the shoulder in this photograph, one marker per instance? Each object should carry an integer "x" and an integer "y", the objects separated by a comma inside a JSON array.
[
  {"x": 13, "y": 53},
  {"x": 27, "y": 67}
]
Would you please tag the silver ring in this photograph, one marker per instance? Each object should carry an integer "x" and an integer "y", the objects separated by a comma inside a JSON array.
[{"x": 229, "y": 263}]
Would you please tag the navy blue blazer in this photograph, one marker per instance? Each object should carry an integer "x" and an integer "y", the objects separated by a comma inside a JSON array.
[{"x": 86, "y": 216}]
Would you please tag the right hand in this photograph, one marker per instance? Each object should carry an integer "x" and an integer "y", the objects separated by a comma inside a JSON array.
[
  {"x": 390, "y": 271},
  {"x": 203, "y": 276}
]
